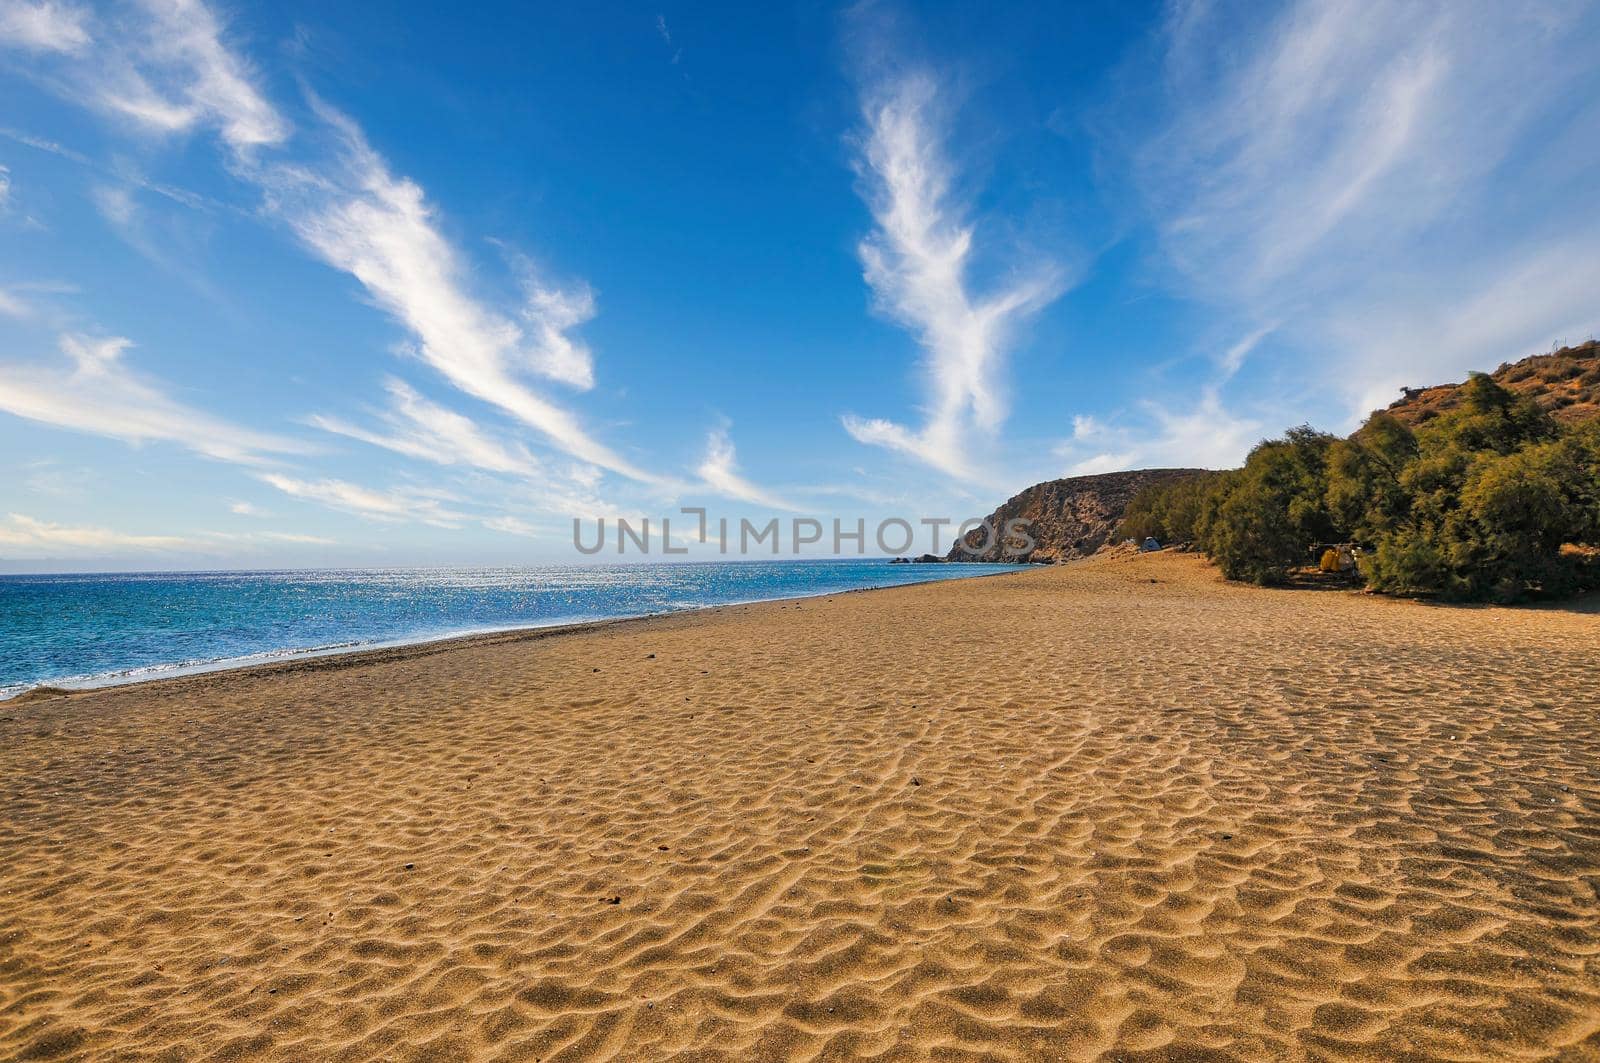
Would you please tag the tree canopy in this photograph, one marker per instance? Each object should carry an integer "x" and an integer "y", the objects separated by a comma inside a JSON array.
[{"x": 1493, "y": 500}]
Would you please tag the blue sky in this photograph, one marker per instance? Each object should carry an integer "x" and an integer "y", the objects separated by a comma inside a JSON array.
[{"x": 306, "y": 284}]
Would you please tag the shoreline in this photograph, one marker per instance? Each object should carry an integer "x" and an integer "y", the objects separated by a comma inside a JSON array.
[{"x": 357, "y": 654}]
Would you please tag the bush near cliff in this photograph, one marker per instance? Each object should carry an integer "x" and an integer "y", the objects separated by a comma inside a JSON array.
[{"x": 1482, "y": 501}]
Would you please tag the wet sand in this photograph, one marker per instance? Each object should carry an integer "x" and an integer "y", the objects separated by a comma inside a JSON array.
[{"x": 1110, "y": 810}]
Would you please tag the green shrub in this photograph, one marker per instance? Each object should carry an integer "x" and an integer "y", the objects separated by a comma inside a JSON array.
[
  {"x": 1168, "y": 511},
  {"x": 1476, "y": 504},
  {"x": 1274, "y": 510}
]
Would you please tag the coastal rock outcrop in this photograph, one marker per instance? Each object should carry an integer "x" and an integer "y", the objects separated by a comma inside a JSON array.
[{"x": 1067, "y": 518}]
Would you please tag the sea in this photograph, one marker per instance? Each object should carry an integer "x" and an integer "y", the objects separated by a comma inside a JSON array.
[{"x": 89, "y": 630}]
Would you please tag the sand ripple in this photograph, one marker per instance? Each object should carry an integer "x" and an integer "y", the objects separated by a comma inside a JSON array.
[{"x": 1116, "y": 810}]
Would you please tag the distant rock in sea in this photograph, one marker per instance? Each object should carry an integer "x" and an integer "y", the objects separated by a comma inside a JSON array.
[{"x": 1067, "y": 518}]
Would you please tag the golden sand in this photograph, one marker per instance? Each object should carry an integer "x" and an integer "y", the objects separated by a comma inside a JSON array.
[{"x": 1113, "y": 810}]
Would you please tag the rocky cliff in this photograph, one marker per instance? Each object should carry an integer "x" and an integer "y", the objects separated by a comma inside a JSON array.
[{"x": 1068, "y": 518}]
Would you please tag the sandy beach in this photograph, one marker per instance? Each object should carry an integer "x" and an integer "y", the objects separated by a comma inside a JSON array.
[{"x": 1110, "y": 810}]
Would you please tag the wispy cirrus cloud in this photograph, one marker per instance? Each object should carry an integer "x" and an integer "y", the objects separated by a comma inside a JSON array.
[
  {"x": 217, "y": 539},
  {"x": 168, "y": 68},
  {"x": 550, "y": 314},
  {"x": 173, "y": 73},
  {"x": 1319, "y": 124},
  {"x": 96, "y": 392},
  {"x": 115, "y": 204},
  {"x": 511, "y": 526},
  {"x": 720, "y": 472},
  {"x": 917, "y": 262},
  {"x": 1376, "y": 175},
  {"x": 23, "y": 536},
  {"x": 1204, "y": 434},
  {"x": 162, "y": 65},
  {"x": 43, "y": 26},
  {"x": 360, "y": 218},
  {"x": 297, "y": 538},
  {"x": 666, "y": 37},
  {"x": 421, "y": 429},
  {"x": 32, "y": 536},
  {"x": 1205, "y": 431},
  {"x": 391, "y": 506},
  {"x": 215, "y": 84}
]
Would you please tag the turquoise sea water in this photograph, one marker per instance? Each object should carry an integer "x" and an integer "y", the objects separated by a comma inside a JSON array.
[{"x": 93, "y": 630}]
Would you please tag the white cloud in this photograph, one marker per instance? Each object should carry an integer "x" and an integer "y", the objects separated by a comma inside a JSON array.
[
  {"x": 360, "y": 218},
  {"x": 511, "y": 526},
  {"x": 295, "y": 537},
  {"x": 5, "y": 189},
  {"x": 246, "y": 509},
  {"x": 427, "y": 431},
  {"x": 1205, "y": 435},
  {"x": 97, "y": 393},
  {"x": 550, "y": 314},
  {"x": 168, "y": 67},
  {"x": 162, "y": 64},
  {"x": 1353, "y": 167},
  {"x": 176, "y": 74},
  {"x": 115, "y": 204},
  {"x": 45, "y": 26},
  {"x": 19, "y": 532},
  {"x": 1086, "y": 427},
  {"x": 1500, "y": 311},
  {"x": 46, "y": 145},
  {"x": 720, "y": 471},
  {"x": 917, "y": 262},
  {"x": 387, "y": 506},
  {"x": 20, "y": 302},
  {"x": 25, "y": 536},
  {"x": 1312, "y": 132},
  {"x": 666, "y": 37},
  {"x": 1233, "y": 358},
  {"x": 105, "y": 196},
  {"x": 1105, "y": 461},
  {"x": 187, "y": 38}
]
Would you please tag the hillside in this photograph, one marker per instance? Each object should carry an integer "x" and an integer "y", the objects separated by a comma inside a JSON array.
[
  {"x": 1072, "y": 517},
  {"x": 1564, "y": 382}
]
